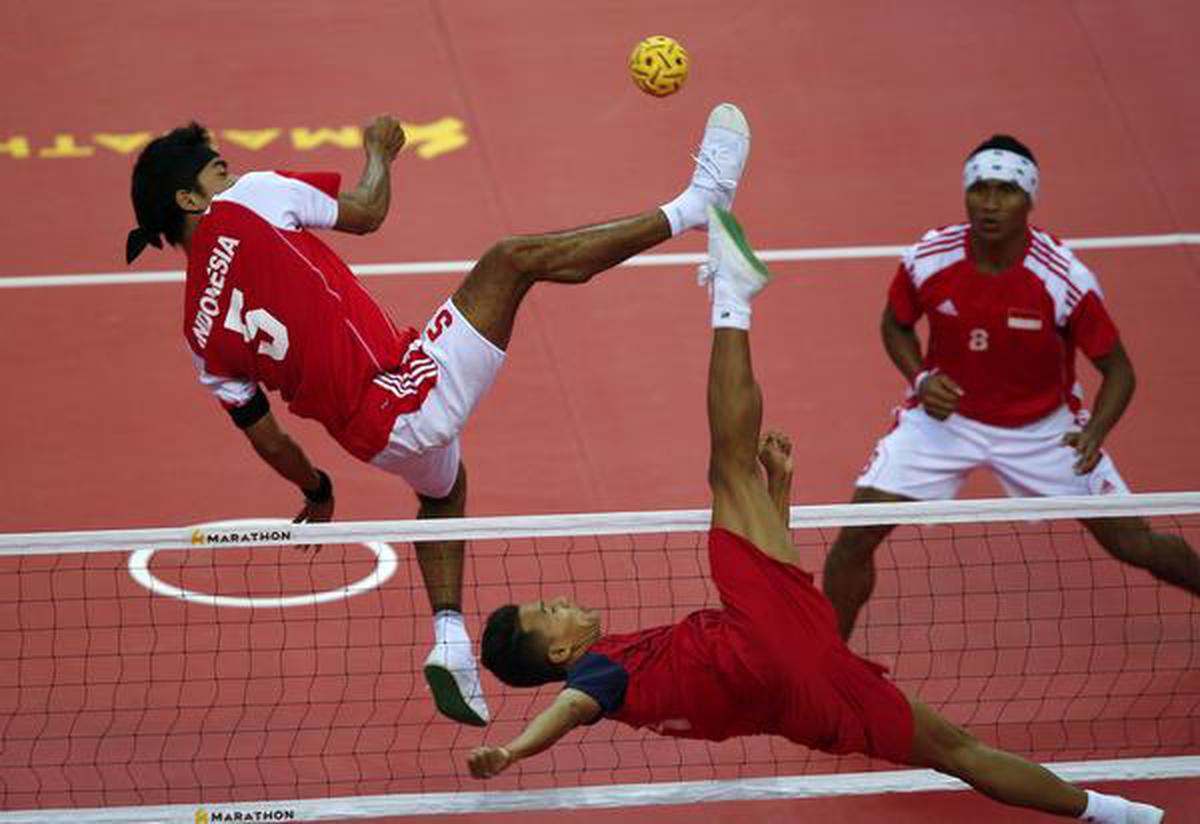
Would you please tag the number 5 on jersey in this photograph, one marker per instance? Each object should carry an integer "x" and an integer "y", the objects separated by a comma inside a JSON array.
[{"x": 257, "y": 321}]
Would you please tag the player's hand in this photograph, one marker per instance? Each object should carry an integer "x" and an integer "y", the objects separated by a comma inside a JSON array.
[
  {"x": 939, "y": 395},
  {"x": 315, "y": 512},
  {"x": 488, "y": 761},
  {"x": 385, "y": 136},
  {"x": 775, "y": 454},
  {"x": 1087, "y": 445}
]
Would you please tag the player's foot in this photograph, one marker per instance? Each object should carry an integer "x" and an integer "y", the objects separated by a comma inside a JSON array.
[
  {"x": 732, "y": 265},
  {"x": 722, "y": 155},
  {"x": 733, "y": 273},
  {"x": 775, "y": 455},
  {"x": 720, "y": 161},
  {"x": 453, "y": 677}
]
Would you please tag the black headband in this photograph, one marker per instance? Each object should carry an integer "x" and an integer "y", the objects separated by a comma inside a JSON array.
[{"x": 181, "y": 176}]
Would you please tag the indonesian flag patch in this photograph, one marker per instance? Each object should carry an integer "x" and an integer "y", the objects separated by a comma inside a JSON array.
[{"x": 1024, "y": 319}]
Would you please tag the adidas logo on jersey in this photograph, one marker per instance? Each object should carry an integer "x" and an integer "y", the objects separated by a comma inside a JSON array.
[{"x": 946, "y": 307}]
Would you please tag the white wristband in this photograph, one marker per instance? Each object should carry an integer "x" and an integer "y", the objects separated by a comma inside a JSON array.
[{"x": 921, "y": 377}]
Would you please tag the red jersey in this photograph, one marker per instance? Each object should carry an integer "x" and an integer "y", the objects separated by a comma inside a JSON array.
[
  {"x": 770, "y": 661},
  {"x": 1007, "y": 339},
  {"x": 683, "y": 680},
  {"x": 267, "y": 302}
]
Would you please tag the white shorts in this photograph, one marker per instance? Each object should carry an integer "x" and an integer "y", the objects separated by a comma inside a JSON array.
[
  {"x": 928, "y": 459},
  {"x": 423, "y": 446}
]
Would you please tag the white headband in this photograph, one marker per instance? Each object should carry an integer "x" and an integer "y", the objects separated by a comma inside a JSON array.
[{"x": 1001, "y": 164}]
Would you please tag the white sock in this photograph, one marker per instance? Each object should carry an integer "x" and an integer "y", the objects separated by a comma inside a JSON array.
[
  {"x": 730, "y": 309},
  {"x": 450, "y": 628},
  {"x": 1113, "y": 809},
  {"x": 731, "y": 315},
  {"x": 1104, "y": 809},
  {"x": 688, "y": 211}
]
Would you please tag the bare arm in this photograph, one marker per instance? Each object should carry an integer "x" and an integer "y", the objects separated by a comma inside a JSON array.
[
  {"x": 902, "y": 345},
  {"x": 939, "y": 393},
  {"x": 570, "y": 709},
  {"x": 363, "y": 209},
  {"x": 1116, "y": 390},
  {"x": 286, "y": 457}
]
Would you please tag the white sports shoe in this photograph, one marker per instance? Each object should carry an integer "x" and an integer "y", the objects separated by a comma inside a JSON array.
[
  {"x": 733, "y": 270},
  {"x": 722, "y": 156},
  {"x": 453, "y": 677}
]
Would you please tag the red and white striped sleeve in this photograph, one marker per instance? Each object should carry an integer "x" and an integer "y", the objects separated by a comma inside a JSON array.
[{"x": 1078, "y": 299}]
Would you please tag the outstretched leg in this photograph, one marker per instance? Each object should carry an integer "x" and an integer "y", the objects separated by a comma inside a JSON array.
[
  {"x": 488, "y": 299},
  {"x": 741, "y": 503},
  {"x": 441, "y": 562},
  {"x": 850, "y": 566},
  {"x": 491, "y": 294},
  {"x": 1010, "y": 779},
  {"x": 1167, "y": 557},
  {"x": 450, "y": 668}
]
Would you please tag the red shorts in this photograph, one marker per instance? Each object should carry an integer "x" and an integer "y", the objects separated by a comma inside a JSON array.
[{"x": 826, "y": 697}]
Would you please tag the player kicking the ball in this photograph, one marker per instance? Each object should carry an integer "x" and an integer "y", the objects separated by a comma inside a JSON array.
[
  {"x": 770, "y": 660},
  {"x": 268, "y": 305}
]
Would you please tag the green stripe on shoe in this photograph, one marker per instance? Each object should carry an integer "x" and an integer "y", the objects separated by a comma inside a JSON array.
[
  {"x": 448, "y": 698},
  {"x": 731, "y": 225}
]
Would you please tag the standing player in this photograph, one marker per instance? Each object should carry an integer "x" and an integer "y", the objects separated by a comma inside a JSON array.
[
  {"x": 1007, "y": 305},
  {"x": 268, "y": 305},
  {"x": 770, "y": 661}
]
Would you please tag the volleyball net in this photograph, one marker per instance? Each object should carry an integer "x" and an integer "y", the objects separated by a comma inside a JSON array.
[{"x": 169, "y": 674}]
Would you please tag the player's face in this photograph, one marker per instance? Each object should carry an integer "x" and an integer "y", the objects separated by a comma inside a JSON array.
[
  {"x": 997, "y": 209},
  {"x": 560, "y": 621},
  {"x": 214, "y": 178}
]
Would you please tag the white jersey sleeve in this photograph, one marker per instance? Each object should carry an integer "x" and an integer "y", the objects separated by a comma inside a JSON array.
[
  {"x": 283, "y": 201},
  {"x": 231, "y": 392},
  {"x": 1066, "y": 279}
]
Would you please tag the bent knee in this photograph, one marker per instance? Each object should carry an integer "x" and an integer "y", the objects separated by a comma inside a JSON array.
[
  {"x": 942, "y": 745},
  {"x": 452, "y": 505},
  {"x": 959, "y": 757},
  {"x": 514, "y": 254}
]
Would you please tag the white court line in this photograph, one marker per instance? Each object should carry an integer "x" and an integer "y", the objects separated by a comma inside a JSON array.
[
  {"x": 592, "y": 797},
  {"x": 437, "y": 267}
]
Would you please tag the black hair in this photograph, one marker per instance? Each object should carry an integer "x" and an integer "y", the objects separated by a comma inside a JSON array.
[
  {"x": 1007, "y": 143},
  {"x": 167, "y": 164},
  {"x": 515, "y": 656}
]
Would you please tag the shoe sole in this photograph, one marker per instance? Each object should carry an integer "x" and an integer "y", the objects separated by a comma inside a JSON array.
[
  {"x": 449, "y": 698},
  {"x": 738, "y": 235},
  {"x": 729, "y": 116}
]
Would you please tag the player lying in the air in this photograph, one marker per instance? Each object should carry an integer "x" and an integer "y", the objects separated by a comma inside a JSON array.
[{"x": 770, "y": 660}]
